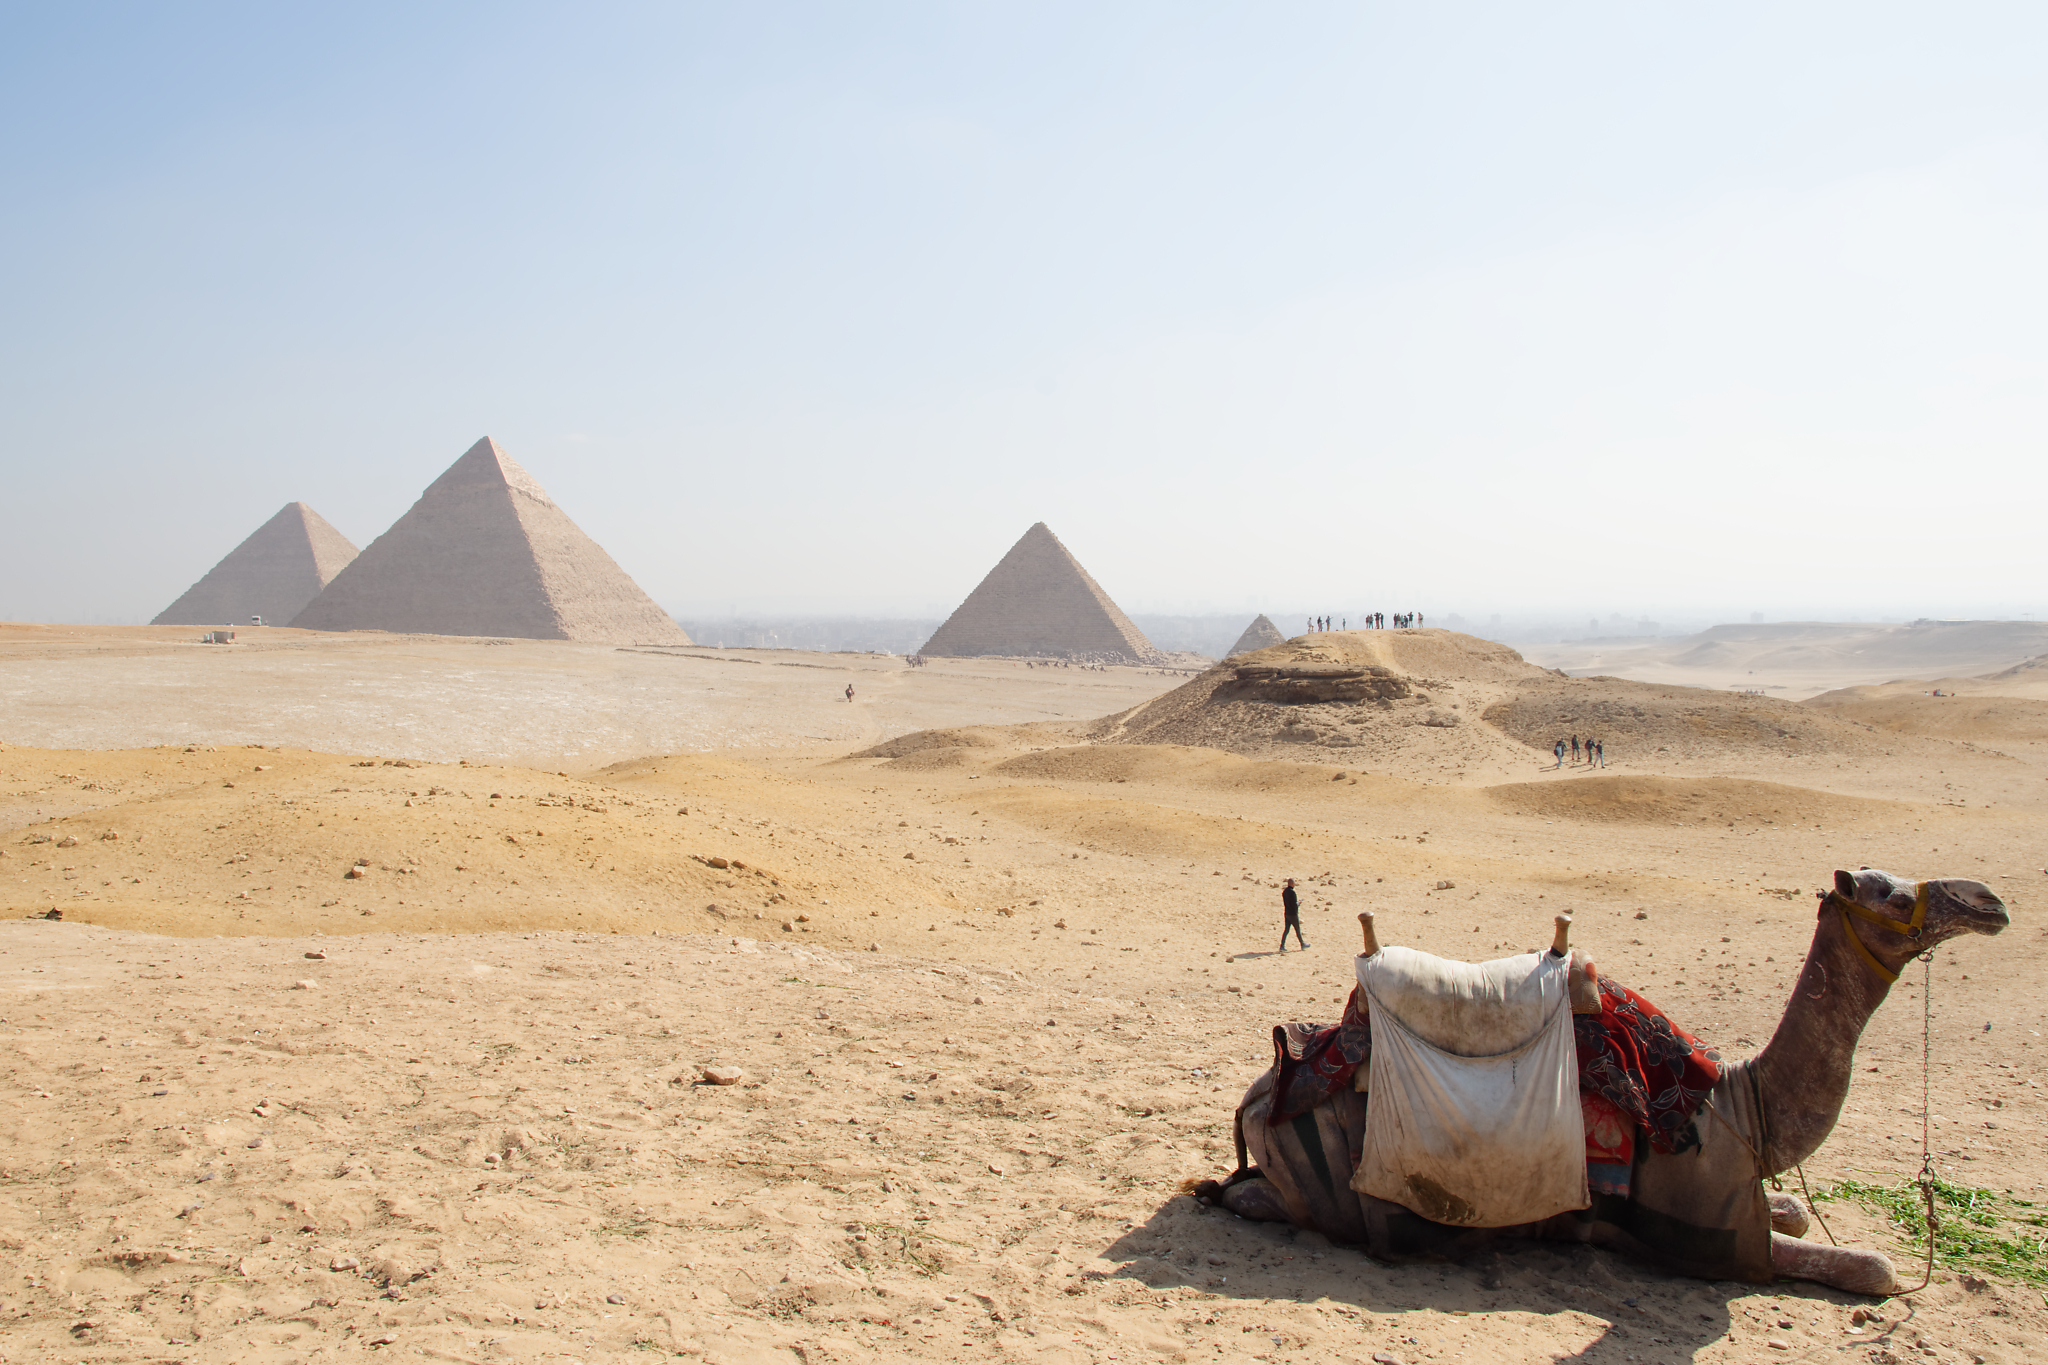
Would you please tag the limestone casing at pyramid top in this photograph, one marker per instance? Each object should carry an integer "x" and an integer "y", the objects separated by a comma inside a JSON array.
[
  {"x": 1038, "y": 602},
  {"x": 486, "y": 463}
]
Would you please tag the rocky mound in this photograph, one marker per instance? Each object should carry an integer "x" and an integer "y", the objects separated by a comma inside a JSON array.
[
  {"x": 1647, "y": 800},
  {"x": 1393, "y": 697},
  {"x": 1637, "y": 720}
]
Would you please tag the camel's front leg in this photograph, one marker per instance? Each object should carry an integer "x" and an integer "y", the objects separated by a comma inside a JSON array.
[{"x": 1850, "y": 1268}]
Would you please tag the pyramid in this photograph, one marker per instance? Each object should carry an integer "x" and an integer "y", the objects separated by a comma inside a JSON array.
[
  {"x": 1039, "y": 602},
  {"x": 1260, "y": 634},
  {"x": 273, "y": 574},
  {"x": 485, "y": 551}
]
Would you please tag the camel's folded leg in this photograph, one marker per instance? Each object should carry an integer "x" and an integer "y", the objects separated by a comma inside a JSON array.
[
  {"x": 1255, "y": 1198},
  {"x": 1788, "y": 1215},
  {"x": 1850, "y": 1268}
]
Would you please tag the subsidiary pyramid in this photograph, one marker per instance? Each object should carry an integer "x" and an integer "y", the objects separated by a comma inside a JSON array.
[
  {"x": 1039, "y": 602},
  {"x": 485, "y": 551},
  {"x": 1260, "y": 634},
  {"x": 273, "y": 574}
]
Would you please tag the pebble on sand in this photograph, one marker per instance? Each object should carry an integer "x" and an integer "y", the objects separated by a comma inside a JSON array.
[
  {"x": 305, "y": 985},
  {"x": 723, "y": 1075}
]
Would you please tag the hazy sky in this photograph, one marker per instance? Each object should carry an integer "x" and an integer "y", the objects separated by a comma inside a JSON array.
[{"x": 1633, "y": 307}]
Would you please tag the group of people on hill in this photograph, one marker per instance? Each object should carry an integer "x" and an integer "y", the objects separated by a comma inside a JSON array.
[
  {"x": 914, "y": 660},
  {"x": 1374, "y": 621},
  {"x": 1595, "y": 751}
]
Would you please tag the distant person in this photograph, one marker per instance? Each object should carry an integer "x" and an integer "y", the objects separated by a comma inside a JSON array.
[
  {"x": 1600, "y": 753},
  {"x": 1575, "y": 748},
  {"x": 849, "y": 694},
  {"x": 1558, "y": 749},
  {"x": 1290, "y": 905}
]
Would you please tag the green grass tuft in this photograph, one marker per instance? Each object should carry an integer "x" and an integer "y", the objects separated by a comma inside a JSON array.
[{"x": 1981, "y": 1231}]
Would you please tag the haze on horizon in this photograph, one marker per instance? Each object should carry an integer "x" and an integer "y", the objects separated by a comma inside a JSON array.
[{"x": 1567, "y": 313}]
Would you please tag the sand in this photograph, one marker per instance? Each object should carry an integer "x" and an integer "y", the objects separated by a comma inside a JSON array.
[
  {"x": 993, "y": 990},
  {"x": 1798, "y": 659}
]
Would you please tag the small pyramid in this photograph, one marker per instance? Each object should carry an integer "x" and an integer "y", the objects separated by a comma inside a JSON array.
[
  {"x": 485, "y": 551},
  {"x": 1260, "y": 634},
  {"x": 273, "y": 574},
  {"x": 1039, "y": 602}
]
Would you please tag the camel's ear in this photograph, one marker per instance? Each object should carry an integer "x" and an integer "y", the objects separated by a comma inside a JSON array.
[{"x": 1845, "y": 883}]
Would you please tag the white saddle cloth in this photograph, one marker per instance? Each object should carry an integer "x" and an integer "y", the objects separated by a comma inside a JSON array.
[{"x": 1474, "y": 1112}]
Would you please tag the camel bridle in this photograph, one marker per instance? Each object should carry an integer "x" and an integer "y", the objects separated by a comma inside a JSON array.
[
  {"x": 1911, "y": 929},
  {"x": 1846, "y": 907}
]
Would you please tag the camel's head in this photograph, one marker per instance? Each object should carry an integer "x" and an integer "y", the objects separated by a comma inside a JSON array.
[{"x": 1955, "y": 905}]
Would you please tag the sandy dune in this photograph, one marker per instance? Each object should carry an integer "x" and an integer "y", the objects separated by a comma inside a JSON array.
[
  {"x": 994, "y": 989},
  {"x": 1796, "y": 659}
]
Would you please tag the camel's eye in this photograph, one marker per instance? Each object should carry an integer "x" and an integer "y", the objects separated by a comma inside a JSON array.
[{"x": 1900, "y": 900}]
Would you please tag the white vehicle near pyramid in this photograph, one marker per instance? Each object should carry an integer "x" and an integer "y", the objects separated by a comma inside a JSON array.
[
  {"x": 1039, "y": 603},
  {"x": 283, "y": 565},
  {"x": 485, "y": 551}
]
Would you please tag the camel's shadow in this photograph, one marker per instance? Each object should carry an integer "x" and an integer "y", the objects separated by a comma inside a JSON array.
[{"x": 1637, "y": 1309}]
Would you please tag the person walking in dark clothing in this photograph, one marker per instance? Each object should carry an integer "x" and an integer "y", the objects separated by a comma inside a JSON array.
[
  {"x": 1575, "y": 748},
  {"x": 1291, "y": 904}
]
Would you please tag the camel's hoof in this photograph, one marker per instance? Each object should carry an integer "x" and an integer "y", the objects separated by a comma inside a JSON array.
[
  {"x": 1255, "y": 1198},
  {"x": 1788, "y": 1215},
  {"x": 1850, "y": 1268}
]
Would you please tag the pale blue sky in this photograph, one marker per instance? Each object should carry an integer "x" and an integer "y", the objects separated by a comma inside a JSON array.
[{"x": 1578, "y": 308}]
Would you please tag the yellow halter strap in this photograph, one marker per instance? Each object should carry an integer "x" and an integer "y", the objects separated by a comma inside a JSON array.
[{"x": 1846, "y": 907}]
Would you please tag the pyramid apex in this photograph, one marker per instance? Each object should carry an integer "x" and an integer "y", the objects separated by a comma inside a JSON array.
[{"x": 487, "y": 463}]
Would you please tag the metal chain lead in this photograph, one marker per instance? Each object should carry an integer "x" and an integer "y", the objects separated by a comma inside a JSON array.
[{"x": 1926, "y": 1178}]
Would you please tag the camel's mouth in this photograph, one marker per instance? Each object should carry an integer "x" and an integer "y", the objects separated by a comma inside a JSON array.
[{"x": 1977, "y": 906}]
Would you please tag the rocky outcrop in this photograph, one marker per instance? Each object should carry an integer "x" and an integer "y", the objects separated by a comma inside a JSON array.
[{"x": 1306, "y": 684}]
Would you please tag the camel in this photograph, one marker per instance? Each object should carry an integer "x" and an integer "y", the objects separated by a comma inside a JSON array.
[{"x": 1702, "y": 1211}]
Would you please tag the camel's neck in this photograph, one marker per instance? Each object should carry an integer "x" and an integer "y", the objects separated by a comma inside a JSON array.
[{"x": 1805, "y": 1069}]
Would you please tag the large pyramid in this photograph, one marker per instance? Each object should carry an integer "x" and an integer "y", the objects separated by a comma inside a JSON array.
[
  {"x": 1260, "y": 634},
  {"x": 485, "y": 551},
  {"x": 1039, "y": 602},
  {"x": 273, "y": 574}
]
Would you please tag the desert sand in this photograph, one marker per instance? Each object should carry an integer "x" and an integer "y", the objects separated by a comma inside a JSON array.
[
  {"x": 1797, "y": 659},
  {"x": 390, "y": 969}
]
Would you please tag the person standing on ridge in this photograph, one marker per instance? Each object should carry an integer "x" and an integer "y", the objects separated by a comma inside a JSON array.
[
  {"x": 1558, "y": 749},
  {"x": 1575, "y": 748},
  {"x": 1290, "y": 904},
  {"x": 849, "y": 694}
]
